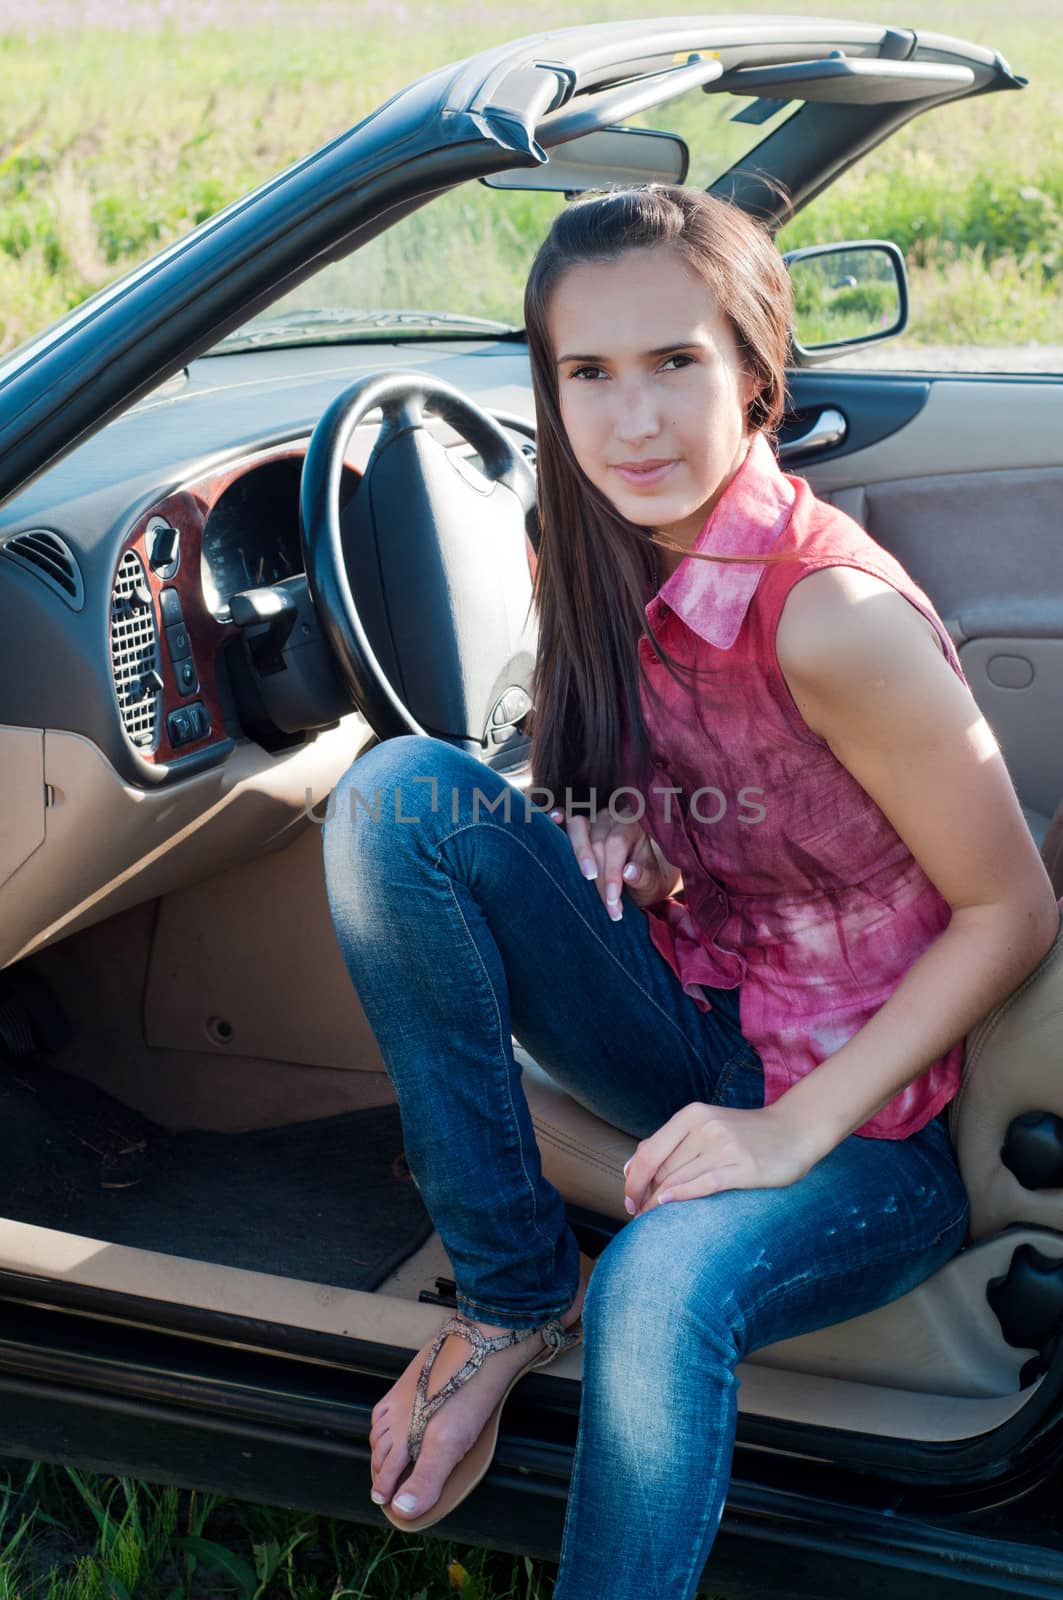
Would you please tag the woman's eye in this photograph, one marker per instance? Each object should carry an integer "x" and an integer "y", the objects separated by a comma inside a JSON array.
[{"x": 588, "y": 373}]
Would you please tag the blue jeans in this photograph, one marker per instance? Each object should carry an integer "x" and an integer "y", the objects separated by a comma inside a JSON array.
[{"x": 462, "y": 925}]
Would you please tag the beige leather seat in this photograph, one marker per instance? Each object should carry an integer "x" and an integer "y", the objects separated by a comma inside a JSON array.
[
  {"x": 1051, "y": 846},
  {"x": 943, "y": 1336}
]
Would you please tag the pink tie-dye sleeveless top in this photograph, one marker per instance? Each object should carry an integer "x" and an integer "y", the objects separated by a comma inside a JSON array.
[{"x": 795, "y": 885}]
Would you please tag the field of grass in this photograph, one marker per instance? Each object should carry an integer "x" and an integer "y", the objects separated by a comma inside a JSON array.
[
  {"x": 66, "y": 1535},
  {"x": 129, "y": 121}
]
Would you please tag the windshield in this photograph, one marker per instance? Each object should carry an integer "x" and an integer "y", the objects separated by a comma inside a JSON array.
[{"x": 458, "y": 265}]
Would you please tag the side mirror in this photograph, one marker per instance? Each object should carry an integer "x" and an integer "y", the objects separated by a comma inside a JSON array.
[{"x": 845, "y": 294}]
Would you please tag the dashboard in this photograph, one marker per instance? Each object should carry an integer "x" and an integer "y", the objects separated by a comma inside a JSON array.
[
  {"x": 193, "y": 490},
  {"x": 182, "y": 562},
  {"x": 128, "y": 765}
]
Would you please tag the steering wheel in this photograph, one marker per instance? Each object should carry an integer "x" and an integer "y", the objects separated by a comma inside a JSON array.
[{"x": 423, "y": 583}]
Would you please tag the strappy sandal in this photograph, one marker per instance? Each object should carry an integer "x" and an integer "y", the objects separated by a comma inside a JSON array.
[{"x": 473, "y": 1465}]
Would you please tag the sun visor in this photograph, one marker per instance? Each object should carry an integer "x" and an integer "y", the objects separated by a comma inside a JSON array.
[{"x": 840, "y": 79}]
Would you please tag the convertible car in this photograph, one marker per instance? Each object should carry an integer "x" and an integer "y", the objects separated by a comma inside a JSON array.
[{"x": 270, "y": 499}]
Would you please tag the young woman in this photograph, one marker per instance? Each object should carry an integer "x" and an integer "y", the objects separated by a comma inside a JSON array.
[{"x": 765, "y": 709}]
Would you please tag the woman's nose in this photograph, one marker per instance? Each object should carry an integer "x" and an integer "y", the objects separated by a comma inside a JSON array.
[{"x": 637, "y": 416}]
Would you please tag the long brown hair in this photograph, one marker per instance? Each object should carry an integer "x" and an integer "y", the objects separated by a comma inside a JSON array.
[{"x": 593, "y": 570}]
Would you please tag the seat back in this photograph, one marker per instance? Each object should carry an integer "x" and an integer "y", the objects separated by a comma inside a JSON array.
[
  {"x": 1052, "y": 851},
  {"x": 1013, "y": 1069}
]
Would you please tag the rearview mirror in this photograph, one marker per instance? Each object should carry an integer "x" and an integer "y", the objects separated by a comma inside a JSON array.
[
  {"x": 597, "y": 160},
  {"x": 845, "y": 294}
]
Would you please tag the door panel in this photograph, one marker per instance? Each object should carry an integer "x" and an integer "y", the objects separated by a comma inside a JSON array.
[
  {"x": 967, "y": 494},
  {"x": 1018, "y": 684}
]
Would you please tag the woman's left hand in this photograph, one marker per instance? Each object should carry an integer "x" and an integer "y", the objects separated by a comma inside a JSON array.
[{"x": 704, "y": 1149}]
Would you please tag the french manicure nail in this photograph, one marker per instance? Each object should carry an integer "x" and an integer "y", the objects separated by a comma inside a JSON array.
[
  {"x": 627, "y": 1164},
  {"x": 612, "y": 893},
  {"x": 378, "y": 1497},
  {"x": 590, "y": 868},
  {"x": 631, "y": 871},
  {"x": 629, "y": 1207},
  {"x": 406, "y": 1502}
]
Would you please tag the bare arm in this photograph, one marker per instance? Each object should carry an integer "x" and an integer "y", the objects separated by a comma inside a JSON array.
[{"x": 869, "y": 679}]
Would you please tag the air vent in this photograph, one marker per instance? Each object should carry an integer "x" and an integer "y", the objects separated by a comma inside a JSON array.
[
  {"x": 135, "y": 653},
  {"x": 49, "y": 558}
]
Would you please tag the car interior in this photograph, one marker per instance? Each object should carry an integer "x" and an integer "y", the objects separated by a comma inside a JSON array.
[{"x": 196, "y": 1112}]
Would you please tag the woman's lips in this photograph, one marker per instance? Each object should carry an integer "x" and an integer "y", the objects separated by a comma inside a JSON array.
[{"x": 651, "y": 473}]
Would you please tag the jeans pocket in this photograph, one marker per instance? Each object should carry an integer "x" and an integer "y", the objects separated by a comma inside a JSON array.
[{"x": 740, "y": 1084}]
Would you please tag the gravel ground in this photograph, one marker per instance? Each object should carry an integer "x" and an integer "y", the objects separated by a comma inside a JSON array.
[{"x": 905, "y": 357}]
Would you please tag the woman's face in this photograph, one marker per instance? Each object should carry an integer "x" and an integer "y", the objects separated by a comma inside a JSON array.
[{"x": 652, "y": 392}]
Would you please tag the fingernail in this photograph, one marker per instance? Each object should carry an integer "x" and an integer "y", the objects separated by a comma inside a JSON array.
[
  {"x": 590, "y": 869},
  {"x": 406, "y": 1502},
  {"x": 378, "y": 1497},
  {"x": 631, "y": 871},
  {"x": 612, "y": 893},
  {"x": 629, "y": 1207},
  {"x": 664, "y": 1197},
  {"x": 555, "y": 816},
  {"x": 627, "y": 1164},
  {"x": 614, "y": 912}
]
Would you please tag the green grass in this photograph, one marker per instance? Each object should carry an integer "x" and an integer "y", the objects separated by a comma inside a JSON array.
[
  {"x": 66, "y": 1535},
  {"x": 119, "y": 140}
]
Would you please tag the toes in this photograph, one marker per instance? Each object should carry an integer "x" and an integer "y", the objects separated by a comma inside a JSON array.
[
  {"x": 380, "y": 1455},
  {"x": 424, "y": 1491},
  {"x": 387, "y": 1473},
  {"x": 426, "y": 1481}
]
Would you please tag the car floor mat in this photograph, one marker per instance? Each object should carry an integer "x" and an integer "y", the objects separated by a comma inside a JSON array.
[{"x": 330, "y": 1201}]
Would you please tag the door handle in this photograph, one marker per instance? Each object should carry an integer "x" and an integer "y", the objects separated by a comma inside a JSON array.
[{"x": 830, "y": 427}]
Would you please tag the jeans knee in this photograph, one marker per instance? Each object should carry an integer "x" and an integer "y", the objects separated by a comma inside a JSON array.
[
  {"x": 659, "y": 1285},
  {"x": 386, "y": 798},
  {"x": 402, "y": 759},
  {"x": 653, "y": 1348},
  {"x": 632, "y": 1281}
]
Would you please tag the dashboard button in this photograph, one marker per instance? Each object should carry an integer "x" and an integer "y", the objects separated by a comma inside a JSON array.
[
  {"x": 163, "y": 545},
  {"x": 188, "y": 724},
  {"x": 515, "y": 704},
  {"x": 180, "y": 725},
  {"x": 186, "y": 676},
  {"x": 177, "y": 639},
  {"x": 170, "y": 606}
]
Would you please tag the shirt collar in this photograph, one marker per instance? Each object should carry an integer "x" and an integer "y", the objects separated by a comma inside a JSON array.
[{"x": 713, "y": 597}]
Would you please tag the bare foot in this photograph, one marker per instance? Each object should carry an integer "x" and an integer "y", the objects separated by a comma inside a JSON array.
[{"x": 458, "y": 1423}]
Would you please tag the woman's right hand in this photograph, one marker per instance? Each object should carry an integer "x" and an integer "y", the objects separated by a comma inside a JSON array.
[{"x": 619, "y": 854}]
